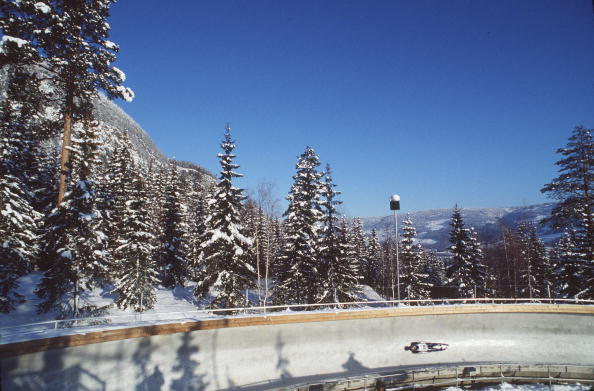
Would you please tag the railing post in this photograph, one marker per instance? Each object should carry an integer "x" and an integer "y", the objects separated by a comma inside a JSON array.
[{"x": 549, "y": 373}]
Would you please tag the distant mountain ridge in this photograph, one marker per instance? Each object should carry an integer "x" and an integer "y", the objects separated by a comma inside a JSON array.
[{"x": 433, "y": 226}]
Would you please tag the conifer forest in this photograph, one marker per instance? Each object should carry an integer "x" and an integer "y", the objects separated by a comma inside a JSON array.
[{"x": 87, "y": 208}]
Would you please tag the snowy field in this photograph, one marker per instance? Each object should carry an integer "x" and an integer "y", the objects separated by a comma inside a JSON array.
[
  {"x": 178, "y": 305},
  {"x": 529, "y": 387}
]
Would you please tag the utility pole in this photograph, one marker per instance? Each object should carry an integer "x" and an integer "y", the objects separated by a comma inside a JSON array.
[{"x": 395, "y": 206}]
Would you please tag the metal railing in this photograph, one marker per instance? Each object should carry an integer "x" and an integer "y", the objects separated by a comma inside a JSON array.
[
  {"x": 187, "y": 316},
  {"x": 459, "y": 376}
]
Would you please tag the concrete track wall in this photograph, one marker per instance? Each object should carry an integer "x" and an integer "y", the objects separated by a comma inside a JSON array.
[{"x": 266, "y": 356}]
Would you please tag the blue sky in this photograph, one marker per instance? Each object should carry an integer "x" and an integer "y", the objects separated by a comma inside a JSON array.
[{"x": 442, "y": 102}]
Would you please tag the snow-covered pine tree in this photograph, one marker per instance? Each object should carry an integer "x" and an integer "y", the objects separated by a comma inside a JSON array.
[
  {"x": 372, "y": 274},
  {"x": 466, "y": 271},
  {"x": 434, "y": 268},
  {"x": 256, "y": 223},
  {"x": 480, "y": 274},
  {"x": 18, "y": 218},
  {"x": 137, "y": 277},
  {"x": 251, "y": 224},
  {"x": 197, "y": 228},
  {"x": 537, "y": 273},
  {"x": 413, "y": 279},
  {"x": 458, "y": 271},
  {"x": 574, "y": 188},
  {"x": 67, "y": 40},
  {"x": 338, "y": 268},
  {"x": 297, "y": 271},
  {"x": 568, "y": 267},
  {"x": 388, "y": 269},
  {"x": 225, "y": 245},
  {"x": 74, "y": 246},
  {"x": 359, "y": 245},
  {"x": 114, "y": 193},
  {"x": 154, "y": 208},
  {"x": 173, "y": 252}
]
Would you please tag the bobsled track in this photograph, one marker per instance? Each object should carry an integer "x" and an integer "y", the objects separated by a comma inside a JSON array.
[{"x": 287, "y": 349}]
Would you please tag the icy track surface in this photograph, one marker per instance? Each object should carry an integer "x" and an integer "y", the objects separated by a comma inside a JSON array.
[{"x": 528, "y": 387}]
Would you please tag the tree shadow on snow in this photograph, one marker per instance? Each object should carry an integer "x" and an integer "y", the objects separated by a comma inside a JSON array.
[{"x": 189, "y": 379}]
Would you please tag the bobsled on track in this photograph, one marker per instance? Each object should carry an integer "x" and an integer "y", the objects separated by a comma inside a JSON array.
[{"x": 426, "y": 347}]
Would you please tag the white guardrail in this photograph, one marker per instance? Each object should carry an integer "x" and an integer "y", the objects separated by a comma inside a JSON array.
[{"x": 140, "y": 319}]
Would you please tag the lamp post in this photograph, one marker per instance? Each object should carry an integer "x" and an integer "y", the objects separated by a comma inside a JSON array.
[{"x": 395, "y": 206}]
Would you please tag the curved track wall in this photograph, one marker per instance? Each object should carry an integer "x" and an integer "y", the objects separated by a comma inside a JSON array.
[{"x": 261, "y": 353}]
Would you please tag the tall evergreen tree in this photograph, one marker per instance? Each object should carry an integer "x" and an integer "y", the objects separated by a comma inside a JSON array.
[
  {"x": 67, "y": 39},
  {"x": 413, "y": 278},
  {"x": 137, "y": 275},
  {"x": 480, "y": 273},
  {"x": 568, "y": 267},
  {"x": 115, "y": 192},
  {"x": 338, "y": 268},
  {"x": 574, "y": 188},
  {"x": 537, "y": 273},
  {"x": 435, "y": 269},
  {"x": 373, "y": 264},
  {"x": 172, "y": 254},
  {"x": 298, "y": 277},
  {"x": 225, "y": 245},
  {"x": 359, "y": 245},
  {"x": 466, "y": 271},
  {"x": 18, "y": 219},
  {"x": 75, "y": 247},
  {"x": 197, "y": 230}
]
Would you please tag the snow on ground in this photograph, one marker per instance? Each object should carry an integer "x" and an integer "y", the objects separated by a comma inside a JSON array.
[
  {"x": 177, "y": 300},
  {"x": 177, "y": 305},
  {"x": 529, "y": 387}
]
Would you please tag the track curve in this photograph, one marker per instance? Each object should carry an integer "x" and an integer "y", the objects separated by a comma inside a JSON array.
[{"x": 275, "y": 351}]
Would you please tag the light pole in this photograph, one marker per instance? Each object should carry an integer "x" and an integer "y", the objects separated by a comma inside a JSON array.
[{"x": 395, "y": 206}]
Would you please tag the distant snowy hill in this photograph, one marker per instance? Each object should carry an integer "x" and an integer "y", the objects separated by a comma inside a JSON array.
[{"x": 433, "y": 225}]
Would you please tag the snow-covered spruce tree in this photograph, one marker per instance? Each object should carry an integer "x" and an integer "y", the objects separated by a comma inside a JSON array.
[
  {"x": 372, "y": 274},
  {"x": 137, "y": 274},
  {"x": 252, "y": 226},
  {"x": 74, "y": 247},
  {"x": 256, "y": 223},
  {"x": 434, "y": 268},
  {"x": 338, "y": 268},
  {"x": 466, "y": 271},
  {"x": 413, "y": 279},
  {"x": 197, "y": 229},
  {"x": 536, "y": 276},
  {"x": 359, "y": 245},
  {"x": 574, "y": 188},
  {"x": 18, "y": 219},
  {"x": 154, "y": 188},
  {"x": 114, "y": 191},
  {"x": 67, "y": 40},
  {"x": 172, "y": 254},
  {"x": 567, "y": 267},
  {"x": 481, "y": 276},
  {"x": 225, "y": 245},
  {"x": 298, "y": 276}
]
